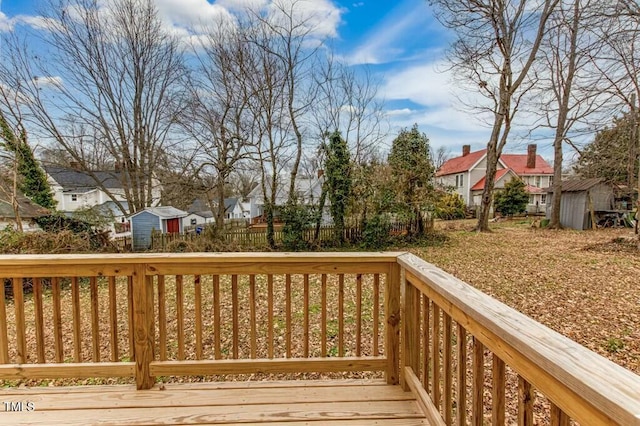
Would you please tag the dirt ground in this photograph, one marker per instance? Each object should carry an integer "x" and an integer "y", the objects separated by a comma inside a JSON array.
[{"x": 583, "y": 284}]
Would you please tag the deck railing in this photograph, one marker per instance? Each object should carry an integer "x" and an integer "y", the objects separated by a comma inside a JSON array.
[{"x": 466, "y": 356}]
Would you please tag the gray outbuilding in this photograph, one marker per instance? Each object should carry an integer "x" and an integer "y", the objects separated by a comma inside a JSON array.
[
  {"x": 165, "y": 219},
  {"x": 582, "y": 198}
]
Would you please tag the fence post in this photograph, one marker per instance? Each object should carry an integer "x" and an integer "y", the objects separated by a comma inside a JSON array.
[
  {"x": 392, "y": 315},
  {"x": 143, "y": 329},
  {"x": 410, "y": 329}
]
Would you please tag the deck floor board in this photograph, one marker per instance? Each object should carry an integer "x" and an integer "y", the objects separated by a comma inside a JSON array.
[{"x": 336, "y": 402}]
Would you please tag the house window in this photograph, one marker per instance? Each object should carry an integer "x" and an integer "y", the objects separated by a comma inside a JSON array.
[
  {"x": 193, "y": 221},
  {"x": 550, "y": 180},
  {"x": 538, "y": 181},
  {"x": 74, "y": 197},
  {"x": 543, "y": 199},
  {"x": 459, "y": 181}
]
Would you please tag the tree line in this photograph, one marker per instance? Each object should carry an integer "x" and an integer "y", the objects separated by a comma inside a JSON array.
[{"x": 257, "y": 98}]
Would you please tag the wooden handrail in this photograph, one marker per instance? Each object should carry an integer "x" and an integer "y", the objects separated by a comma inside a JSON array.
[
  {"x": 137, "y": 289},
  {"x": 585, "y": 385},
  {"x": 442, "y": 323}
]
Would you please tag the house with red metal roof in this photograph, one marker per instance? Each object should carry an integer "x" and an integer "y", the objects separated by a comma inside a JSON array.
[{"x": 466, "y": 175}]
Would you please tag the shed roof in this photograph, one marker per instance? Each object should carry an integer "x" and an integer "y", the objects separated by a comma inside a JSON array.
[
  {"x": 165, "y": 212},
  {"x": 577, "y": 185}
]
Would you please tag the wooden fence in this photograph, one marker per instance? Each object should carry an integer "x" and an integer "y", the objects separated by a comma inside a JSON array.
[{"x": 258, "y": 236}]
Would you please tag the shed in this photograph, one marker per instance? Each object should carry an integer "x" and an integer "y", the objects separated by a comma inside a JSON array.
[
  {"x": 165, "y": 219},
  {"x": 579, "y": 198}
]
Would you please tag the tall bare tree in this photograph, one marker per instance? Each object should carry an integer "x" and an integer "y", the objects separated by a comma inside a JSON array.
[
  {"x": 567, "y": 84},
  {"x": 497, "y": 43},
  {"x": 217, "y": 117},
  {"x": 348, "y": 101},
  {"x": 114, "y": 71},
  {"x": 292, "y": 42}
]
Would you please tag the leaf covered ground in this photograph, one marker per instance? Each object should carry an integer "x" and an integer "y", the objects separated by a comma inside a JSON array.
[{"x": 583, "y": 284}]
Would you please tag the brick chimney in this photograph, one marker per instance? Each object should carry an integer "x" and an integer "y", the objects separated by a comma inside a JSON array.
[
  {"x": 531, "y": 156},
  {"x": 466, "y": 149},
  {"x": 320, "y": 173},
  {"x": 117, "y": 166},
  {"x": 75, "y": 165}
]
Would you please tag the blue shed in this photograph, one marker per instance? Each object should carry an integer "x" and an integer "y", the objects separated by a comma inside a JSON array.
[{"x": 165, "y": 219}]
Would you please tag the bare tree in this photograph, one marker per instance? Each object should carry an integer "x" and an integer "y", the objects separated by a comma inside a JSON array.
[
  {"x": 348, "y": 101},
  {"x": 497, "y": 43},
  {"x": 114, "y": 72},
  {"x": 217, "y": 117},
  {"x": 293, "y": 45},
  {"x": 567, "y": 85},
  {"x": 265, "y": 77}
]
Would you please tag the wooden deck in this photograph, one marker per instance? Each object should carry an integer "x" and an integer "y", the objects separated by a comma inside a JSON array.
[{"x": 331, "y": 402}]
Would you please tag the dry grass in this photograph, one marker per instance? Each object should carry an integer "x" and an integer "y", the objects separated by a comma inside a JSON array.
[{"x": 581, "y": 284}]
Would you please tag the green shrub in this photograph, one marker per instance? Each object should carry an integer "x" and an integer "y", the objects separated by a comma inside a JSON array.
[
  {"x": 375, "y": 233},
  {"x": 450, "y": 206},
  {"x": 297, "y": 219},
  {"x": 513, "y": 199}
]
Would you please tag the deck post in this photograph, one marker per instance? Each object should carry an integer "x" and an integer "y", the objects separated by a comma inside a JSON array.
[
  {"x": 392, "y": 316},
  {"x": 143, "y": 332},
  {"x": 410, "y": 330}
]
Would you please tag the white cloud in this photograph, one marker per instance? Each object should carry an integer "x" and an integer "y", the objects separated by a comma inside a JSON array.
[
  {"x": 320, "y": 18},
  {"x": 191, "y": 15},
  {"x": 399, "y": 112},
  {"x": 190, "y": 19},
  {"x": 48, "y": 82},
  {"x": 6, "y": 24}
]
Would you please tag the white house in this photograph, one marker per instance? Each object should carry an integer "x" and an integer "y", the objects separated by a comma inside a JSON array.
[
  {"x": 75, "y": 189},
  {"x": 466, "y": 175},
  {"x": 197, "y": 218},
  {"x": 308, "y": 191},
  {"x": 233, "y": 208}
]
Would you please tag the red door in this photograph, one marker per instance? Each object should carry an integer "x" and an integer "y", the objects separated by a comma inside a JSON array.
[{"x": 173, "y": 226}]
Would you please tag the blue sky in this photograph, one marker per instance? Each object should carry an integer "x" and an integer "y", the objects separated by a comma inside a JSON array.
[{"x": 400, "y": 41}]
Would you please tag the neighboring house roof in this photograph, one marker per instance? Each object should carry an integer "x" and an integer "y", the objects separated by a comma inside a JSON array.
[
  {"x": 515, "y": 162},
  {"x": 207, "y": 214},
  {"x": 198, "y": 205},
  {"x": 309, "y": 188},
  {"x": 110, "y": 207},
  {"x": 76, "y": 180},
  {"x": 534, "y": 189},
  {"x": 230, "y": 203},
  {"x": 460, "y": 164},
  {"x": 518, "y": 163},
  {"x": 26, "y": 208},
  {"x": 499, "y": 175},
  {"x": 577, "y": 185},
  {"x": 165, "y": 212}
]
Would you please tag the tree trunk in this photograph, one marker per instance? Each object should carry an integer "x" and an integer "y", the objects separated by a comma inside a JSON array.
[
  {"x": 487, "y": 192},
  {"x": 323, "y": 198},
  {"x": 14, "y": 195},
  {"x": 221, "y": 210}
]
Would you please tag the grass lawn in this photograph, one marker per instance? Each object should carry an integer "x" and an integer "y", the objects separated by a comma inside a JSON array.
[{"x": 583, "y": 284}]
